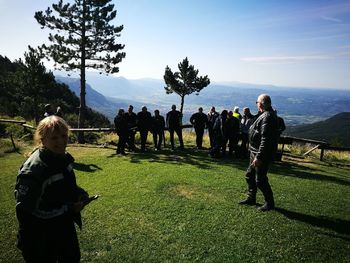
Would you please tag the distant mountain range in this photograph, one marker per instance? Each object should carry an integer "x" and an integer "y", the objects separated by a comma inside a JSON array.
[
  {"x": 335, "y": 130},
  {"x": 296, "y": 105}
]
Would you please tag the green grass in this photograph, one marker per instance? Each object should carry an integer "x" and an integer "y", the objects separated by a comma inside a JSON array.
[{"x": 182, "y": 207}]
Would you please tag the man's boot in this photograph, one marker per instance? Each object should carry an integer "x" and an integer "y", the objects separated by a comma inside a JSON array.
[
  {"x": 251, "y": 198},
  {"x": 266, "y": 207},
  {"x": 248, "y": 201},
  {"x": 252, "y": 189},
  {"x": 268, "y": 195}
]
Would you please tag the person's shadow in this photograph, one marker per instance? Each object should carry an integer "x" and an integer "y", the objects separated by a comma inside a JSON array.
[
  {"x": 86, "y": 167},
  {"x": 338, "y": 225}
]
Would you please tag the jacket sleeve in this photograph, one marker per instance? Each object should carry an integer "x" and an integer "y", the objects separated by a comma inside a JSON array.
[
  {"x": 267, "y": 141},
  {"x": 27, "y": 192},
  {"x": 162, "y": 123},
  {"x": 192, "y": 119}
]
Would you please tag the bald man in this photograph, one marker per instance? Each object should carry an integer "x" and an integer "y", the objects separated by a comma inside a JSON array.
[{"x": 263, "y": 134}]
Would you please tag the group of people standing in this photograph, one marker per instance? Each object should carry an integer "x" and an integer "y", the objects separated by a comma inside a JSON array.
[
  {"x": 127, "y": 123},
  {"x": 225, "y": 129}
]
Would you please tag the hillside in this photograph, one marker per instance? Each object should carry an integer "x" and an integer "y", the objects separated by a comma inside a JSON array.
[
  {"x": 94, "y": 99},
  {"x": 335, "y": 130}
]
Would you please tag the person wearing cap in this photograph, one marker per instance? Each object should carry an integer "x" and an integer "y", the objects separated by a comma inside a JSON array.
[
  {"x": 199, "y": 121},
  {"x": 236, "y": 113},
  {"x": 232, "y": 134},
  {"x": 263, "y": 135}
]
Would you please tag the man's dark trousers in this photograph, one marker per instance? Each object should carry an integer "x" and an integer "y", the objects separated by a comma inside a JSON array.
[
  {"x": 256, "y": 177},
  {"x": 199, "y": 136}
]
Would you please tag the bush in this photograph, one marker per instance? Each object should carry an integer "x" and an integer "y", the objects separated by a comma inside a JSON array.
[
  {"x": 6, "y": 146},
  {"x": 16, "y": 130}
]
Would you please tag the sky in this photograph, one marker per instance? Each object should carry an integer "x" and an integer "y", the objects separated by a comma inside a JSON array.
[{"x": 293, "y": 43}]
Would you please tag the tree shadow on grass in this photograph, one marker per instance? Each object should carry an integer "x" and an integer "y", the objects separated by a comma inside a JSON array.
[
  {"x": 300, "y": 171},
  {"x": 190, "y": 156},
  {"x": 338, "y": 225},
  {"x": 174, "y": 157},
  {"x": 86, "y": 167}
]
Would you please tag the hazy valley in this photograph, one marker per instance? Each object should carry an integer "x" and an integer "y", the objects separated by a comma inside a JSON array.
[{"x": 296, "y": 105}]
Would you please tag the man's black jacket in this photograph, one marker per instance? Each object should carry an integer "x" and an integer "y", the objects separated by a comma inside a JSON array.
[{"x": 263, "y": 135}]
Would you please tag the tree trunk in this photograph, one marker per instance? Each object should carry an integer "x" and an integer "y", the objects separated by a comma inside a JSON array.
[
  {"x": 82, "y": 107},
  {"x": 36, "y": 114},
  {"x": 182, "y": 103}
]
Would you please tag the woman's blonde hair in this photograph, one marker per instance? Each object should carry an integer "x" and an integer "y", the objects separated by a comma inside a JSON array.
[{"x": 49, "y": 125}]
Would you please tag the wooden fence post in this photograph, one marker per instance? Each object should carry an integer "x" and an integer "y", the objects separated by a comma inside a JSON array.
[{"x": 322, "y": 153}]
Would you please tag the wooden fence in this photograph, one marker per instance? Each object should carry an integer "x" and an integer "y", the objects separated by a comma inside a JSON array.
[{"x": 284, "y": 140}]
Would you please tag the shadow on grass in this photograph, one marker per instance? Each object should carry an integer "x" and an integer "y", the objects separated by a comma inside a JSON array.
[
  {"x": 299, "y": 171},
  {"x": 338, "y": 225},
  {"x": 86, "y": 167},
  {"x": 190, "y": 156}
]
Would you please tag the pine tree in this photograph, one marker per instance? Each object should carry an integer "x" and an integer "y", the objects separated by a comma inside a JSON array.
[
  {"x": 84, "y": 39},
  {"x": 33, "y": 81},
  {"x": 184, "y": 82}
]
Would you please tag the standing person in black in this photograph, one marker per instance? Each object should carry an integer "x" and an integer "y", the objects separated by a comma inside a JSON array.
[
  {"x": 219, "y": 130},
  {"x": 158, "y": 125},
  {"x": 199, "y": 120},
  {"x": 212, "y": 115},
  {"x": 263, "y": 139},
  {"x": 247, "y": 120},
  {"x": 174, "y": 121},
  {"x": 232, "y": 133},
  {"x": 281, "y": 128},
  {"x": 281, "y": 124},
  {"x": 131, "y": 122},
  {"x": 144, "y": 124},
  {"x": 122, "y": 131}
]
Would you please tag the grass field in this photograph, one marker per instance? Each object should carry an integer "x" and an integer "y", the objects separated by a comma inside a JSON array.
[{"x": 182, "y": 207}]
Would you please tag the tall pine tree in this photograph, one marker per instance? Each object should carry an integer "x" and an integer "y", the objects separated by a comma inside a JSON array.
[
  {"x": 185, "y": 81},
  {"x": 84, "y": 38}
]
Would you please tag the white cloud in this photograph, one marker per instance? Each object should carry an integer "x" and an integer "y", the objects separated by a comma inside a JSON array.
[
  {"x": 332, "y": 19},
  {"x": 344, "y": 47},
  {"x": 285, "y": 59},
  {"x": 344, "y": 54}
]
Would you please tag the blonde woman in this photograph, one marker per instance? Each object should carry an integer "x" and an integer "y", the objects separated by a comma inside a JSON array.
[{"x": 48, "y": 200}]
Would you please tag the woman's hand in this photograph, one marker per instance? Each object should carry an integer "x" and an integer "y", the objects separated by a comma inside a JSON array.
[{"x": 256, "y": 163}]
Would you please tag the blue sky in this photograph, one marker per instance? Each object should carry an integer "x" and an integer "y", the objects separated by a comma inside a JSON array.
[{"x": 299, "y": 43}]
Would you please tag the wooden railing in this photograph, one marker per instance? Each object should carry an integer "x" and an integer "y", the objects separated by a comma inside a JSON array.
[{"x": 322, "y": 145}]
